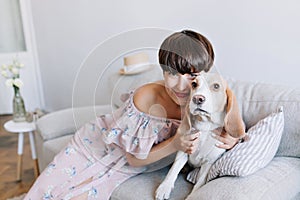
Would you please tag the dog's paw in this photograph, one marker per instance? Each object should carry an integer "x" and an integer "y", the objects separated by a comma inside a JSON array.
[{"x": 163, "y": 191}]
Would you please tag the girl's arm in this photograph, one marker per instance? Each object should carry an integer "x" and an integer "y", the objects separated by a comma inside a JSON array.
[
  {"x": 186, "y": 143},
  {"x": 144, "y": 98}
]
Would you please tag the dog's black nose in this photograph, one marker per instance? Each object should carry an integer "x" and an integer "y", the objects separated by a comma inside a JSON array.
[{"x": 198, "y": 99}]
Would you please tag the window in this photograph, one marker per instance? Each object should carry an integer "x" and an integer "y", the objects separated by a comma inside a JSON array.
[{"x": 11, "y": 27}]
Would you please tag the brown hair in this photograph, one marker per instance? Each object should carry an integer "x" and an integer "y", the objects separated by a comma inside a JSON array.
[{"x": 186, "y": 52}]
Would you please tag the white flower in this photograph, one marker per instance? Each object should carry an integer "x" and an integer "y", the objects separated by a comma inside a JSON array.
[
  {"x": 4, "y": 74},
  {"x": 4, "y": 67},
  {"x": 11, "y": 72},
  {"x": 9, "y": 82},
  {"x": 18, "y": 82},
  {"x": 10, "y": 67},
  {"x": 15, "y": 71},
  {"x": 20, "y": 65}
]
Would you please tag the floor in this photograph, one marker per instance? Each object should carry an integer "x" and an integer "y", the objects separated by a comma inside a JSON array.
[{"x": 9, "y": 187}]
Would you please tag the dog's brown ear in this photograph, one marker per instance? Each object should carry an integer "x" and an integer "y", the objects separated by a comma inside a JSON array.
[{"x": 233, "y": 122}]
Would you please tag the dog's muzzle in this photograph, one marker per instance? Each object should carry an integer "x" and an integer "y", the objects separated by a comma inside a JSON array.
[{"x": 201, "y": 112}]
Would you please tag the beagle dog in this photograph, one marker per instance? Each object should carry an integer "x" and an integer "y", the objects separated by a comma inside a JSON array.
[{"x": 212, "y": 105}]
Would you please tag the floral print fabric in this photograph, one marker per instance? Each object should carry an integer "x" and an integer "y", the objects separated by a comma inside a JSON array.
[{"x": 94, "y": 161}]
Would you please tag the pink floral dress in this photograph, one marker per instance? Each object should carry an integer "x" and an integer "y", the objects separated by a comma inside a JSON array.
[{"x": 97, "y": 152}]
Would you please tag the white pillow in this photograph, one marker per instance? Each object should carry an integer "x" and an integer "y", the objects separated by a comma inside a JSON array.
[{"x": 249, "y": 156}]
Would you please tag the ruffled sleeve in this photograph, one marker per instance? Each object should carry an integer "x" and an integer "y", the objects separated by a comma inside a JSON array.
[{"x": 136, "y": 132}]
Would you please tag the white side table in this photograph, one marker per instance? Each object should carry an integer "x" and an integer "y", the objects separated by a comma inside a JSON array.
[{"x": 20, "y": 128}]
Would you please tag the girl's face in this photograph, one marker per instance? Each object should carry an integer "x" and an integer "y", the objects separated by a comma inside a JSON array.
[{"x": 178, "y": 86}]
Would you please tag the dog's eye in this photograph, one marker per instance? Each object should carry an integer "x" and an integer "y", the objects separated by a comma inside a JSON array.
[
  {"x": 194, "y": 84},
  {"x": 216, "y": 86}
]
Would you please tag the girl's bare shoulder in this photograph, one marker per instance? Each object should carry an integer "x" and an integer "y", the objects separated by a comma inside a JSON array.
[{"x": 148, "y": 95}]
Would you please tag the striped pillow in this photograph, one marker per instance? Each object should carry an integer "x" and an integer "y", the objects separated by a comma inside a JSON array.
[{"x": 248, "y": 157}]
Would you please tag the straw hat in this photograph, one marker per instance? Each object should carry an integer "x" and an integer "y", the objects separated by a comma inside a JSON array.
[{"x": 135, "y": 64}]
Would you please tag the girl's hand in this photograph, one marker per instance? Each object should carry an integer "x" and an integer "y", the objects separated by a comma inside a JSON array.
[
  {"x": 226, "y": 141},
  {"x": 187, "y": 143}
]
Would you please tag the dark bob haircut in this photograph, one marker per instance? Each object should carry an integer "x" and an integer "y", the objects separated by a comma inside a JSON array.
[{"x": 186, "y": 52}]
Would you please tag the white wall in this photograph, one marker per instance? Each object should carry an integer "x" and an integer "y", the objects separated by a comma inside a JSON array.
[{"x": 254, "y": 40}]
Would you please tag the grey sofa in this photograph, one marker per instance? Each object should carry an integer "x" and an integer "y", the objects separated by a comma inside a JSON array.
[{"x": 280, "y": 179}]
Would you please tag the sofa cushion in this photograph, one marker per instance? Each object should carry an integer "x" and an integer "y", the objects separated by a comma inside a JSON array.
[
  {"x": 143, "y": 186},
  {"x": 257, "y": 100},
  {"x": 248, "y": 157},
  {"x": 279, "y": 180}
]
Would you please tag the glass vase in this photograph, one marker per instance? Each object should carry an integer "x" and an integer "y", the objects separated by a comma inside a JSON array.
[{"x": 19, "y": 112}]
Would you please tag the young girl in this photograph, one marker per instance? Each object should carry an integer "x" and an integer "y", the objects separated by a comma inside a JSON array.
[{"x": 109, "y": 150}]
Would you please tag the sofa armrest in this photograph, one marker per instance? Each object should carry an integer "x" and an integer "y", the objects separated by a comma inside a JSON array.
[{"x": 67, "y": 121}]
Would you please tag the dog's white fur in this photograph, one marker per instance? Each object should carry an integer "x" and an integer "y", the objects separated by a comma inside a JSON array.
[{"x": 217, "y": 103}]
